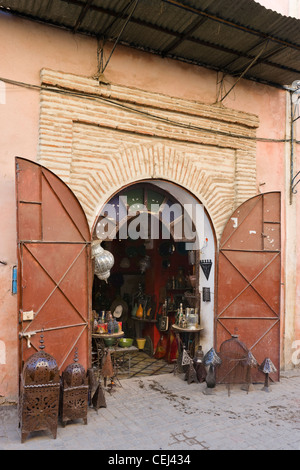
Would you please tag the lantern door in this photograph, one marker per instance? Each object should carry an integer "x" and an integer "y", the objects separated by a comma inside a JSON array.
[
  {"x": 54, "y": 267},
  {"x": 249, "y": 271}
]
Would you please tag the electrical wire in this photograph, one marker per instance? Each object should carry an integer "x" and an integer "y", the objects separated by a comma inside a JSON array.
[
  {"x": 120, "y": 34},
  {"x": 128, "y": 108},
  {"x": 246, "y": 69}
]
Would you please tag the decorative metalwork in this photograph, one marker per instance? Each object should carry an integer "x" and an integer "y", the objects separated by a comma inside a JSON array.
[
  {"x": 295, "y": 100},
  {"x": 191, "y": 375},
  {"x": 294, "y": 182},
  {"x": 39, "y": 394},
  {"x": 186, "y": 359},
  {"x": 211, "y": 359},
  {"x": 250, "y": 362},
  {"x": 199, "y": 366},
  {"x": 107, "y": 368},
  {"x": 235, "y": 358},
  {"x": 267, "y": 367},
  {"x": 74, "y": 392},
  {"x": 188, "y": 367},
  {"x": 104, "y": 260},
  {"x": 206, "y": 294},
  {"x": 98, "y": 399},
  {"x": 206, "y": 265},
  {"x": 96, "y": 393}
]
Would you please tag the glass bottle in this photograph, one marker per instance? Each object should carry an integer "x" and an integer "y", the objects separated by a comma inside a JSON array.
[
  {"x": 180, "y": 316},
  {"x": 110, "y": 326},
  {"x": 116, "y": 326}
]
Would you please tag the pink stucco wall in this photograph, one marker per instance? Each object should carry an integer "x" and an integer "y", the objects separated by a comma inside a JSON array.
[
  {"x": 26, "y": 48},
  {"x": 284, "y": 7}
]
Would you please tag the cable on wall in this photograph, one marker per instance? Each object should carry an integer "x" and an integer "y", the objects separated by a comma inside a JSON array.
[{"x": 141, "y": 112}]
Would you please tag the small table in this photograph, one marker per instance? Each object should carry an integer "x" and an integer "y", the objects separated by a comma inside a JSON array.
[
  {"x": 187, "y": 333},
  {"x": 98, "y": 341}
]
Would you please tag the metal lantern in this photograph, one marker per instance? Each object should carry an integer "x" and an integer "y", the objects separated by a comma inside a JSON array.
[
  {"x": 235, "y": 357},
  {"x": 39, "y": 394},
  {"x": 206, "y": 294},
  {"x": 267, "y": 367},
  {"x": 199, "y": 366},
  {"x": 75, "y": 390},
  {"x": 211, "y": 359},
  {"x": 104, "y": 260},
  {"x": 250, "y": 362}
]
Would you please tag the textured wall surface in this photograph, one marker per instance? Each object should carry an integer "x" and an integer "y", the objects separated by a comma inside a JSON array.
[{"x": 100, "y": 138}]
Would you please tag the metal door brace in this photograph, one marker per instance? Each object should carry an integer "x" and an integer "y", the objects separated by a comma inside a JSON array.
[{"x": 28, "y": 337}]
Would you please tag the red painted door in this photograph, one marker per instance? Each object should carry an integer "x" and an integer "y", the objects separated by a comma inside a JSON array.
[
  {"x": 53, "y": 266},
  {"x": 249, "y": 279}
]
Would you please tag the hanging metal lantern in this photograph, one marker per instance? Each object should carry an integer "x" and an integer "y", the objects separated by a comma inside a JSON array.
[{"x": 104, "y": 260}]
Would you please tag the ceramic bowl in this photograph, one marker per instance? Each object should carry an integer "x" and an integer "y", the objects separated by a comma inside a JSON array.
[
  {"x": 109, "y": 341},
  {"x": 125, "y": 342}
]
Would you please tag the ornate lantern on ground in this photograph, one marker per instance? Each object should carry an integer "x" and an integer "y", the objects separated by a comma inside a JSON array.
[
  {"x": 199, "y": 366},
  {"x": 75, "y": 392},
  {"x": 267, "y": 367},
  {"x": 235, "y": 358},
  {"x": 39, "y": 394},
  {"x": 211, "y": 359},
  {"x": 250, "y": 362}
]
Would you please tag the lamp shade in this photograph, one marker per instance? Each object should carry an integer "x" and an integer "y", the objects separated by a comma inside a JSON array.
[{"x": 104, "y": 260}]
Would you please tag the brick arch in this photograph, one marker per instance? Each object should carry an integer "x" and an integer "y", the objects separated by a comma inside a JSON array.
[
  {"x": 97, "y": 148},
  {"x": 98, "y": 182}
]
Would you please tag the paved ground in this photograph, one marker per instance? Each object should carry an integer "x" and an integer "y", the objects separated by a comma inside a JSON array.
[{"x": 165, "y": 413}]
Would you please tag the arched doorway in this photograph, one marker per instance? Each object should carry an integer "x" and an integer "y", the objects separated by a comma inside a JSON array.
[
  {"x": 54, "y": 253},
  {"x": 163, "y": 245}
]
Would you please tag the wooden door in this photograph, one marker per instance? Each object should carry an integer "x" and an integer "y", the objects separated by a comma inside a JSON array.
[
  {"x": 249, "y": 271},
  {"x": 54, "y": 266}
]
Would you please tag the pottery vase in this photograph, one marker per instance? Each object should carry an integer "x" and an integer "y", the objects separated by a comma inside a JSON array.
[{"x": 139, "y": 312}]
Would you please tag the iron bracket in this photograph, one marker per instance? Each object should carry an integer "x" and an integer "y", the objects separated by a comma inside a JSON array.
[{"x": 294, "y": 182}]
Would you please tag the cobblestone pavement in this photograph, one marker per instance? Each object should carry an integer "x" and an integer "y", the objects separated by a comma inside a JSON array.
[{"x": 165, "y": 413}]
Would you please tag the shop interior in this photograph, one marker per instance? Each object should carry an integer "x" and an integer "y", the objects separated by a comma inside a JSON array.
[{"x": 150, "y": 282}]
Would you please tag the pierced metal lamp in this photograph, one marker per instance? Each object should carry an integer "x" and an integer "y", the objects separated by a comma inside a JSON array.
[
  {"x": 249, "y": 362},
  {"x": 267, "y": 367},
  {"x": 212, "y": 360}
]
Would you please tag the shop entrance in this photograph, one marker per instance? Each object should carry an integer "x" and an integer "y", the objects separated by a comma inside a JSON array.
[
  {"x": 158, "y": 266},
  {"x": 151, "y": 231}
]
